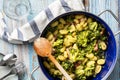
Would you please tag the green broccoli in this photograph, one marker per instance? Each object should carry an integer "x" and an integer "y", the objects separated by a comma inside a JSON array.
[
  {"x": 93, "y": 26},
  {"x": 89, "y": 70},
  {"x": 74, "y": 55},
  {"x": 58, "y": 42},
  {"x": 82, "y": 38},
  {"x": 67, "y": 65}
]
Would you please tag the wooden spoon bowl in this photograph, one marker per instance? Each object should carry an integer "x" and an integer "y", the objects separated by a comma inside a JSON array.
[{"x": 42, "y": 47}]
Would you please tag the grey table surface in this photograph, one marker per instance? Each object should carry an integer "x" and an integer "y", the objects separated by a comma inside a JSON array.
[{"x": 26, "y": 53}]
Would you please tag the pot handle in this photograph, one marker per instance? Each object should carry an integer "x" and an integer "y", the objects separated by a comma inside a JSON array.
[
  {"x": 31, "y": 74},
  {"x": 113, "y": 16}
]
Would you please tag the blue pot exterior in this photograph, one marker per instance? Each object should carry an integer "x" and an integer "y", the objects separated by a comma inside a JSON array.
[{"x": 110, "y": 53}]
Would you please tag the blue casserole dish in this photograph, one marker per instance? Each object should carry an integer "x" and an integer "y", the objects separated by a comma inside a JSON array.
[{"x": 110, "y": 53}]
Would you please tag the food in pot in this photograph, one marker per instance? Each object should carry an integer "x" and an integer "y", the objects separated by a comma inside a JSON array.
[{"x": 79, "y": 43}]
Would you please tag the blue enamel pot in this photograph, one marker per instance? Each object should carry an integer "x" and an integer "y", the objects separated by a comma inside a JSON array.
[{"x": 110, "y": 53}]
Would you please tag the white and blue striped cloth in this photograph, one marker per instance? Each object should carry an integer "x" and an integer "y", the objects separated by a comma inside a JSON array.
[{"x": 28, "y": 32}]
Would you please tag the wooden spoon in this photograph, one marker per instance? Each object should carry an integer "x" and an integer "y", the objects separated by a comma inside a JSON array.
[{"x": 44, "y": 48}]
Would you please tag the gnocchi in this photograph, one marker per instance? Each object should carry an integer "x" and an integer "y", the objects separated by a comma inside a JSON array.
[
  {"x": 77, "y": 43},
  {"x": 101, "y": 61}
]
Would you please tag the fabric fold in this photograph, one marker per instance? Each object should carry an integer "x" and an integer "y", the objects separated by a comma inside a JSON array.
[{"x": 28, "y": 32}]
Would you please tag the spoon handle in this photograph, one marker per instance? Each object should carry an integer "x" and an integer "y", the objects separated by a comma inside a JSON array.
[{"x": 59, "y": 67}]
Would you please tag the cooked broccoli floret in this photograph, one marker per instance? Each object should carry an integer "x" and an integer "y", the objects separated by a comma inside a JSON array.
[
  {"x": 93, "y": 26},
  {"x": 82, "y": 38},
  {"x": 89, "y": 71},
  {"x": 58, "y": 42},
  {"x": 67, "y": 65},
  {"x": 73, "y": 55}
]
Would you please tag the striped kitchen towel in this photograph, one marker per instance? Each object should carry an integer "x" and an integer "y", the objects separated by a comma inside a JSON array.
[{"x": 31, "y": 30}]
